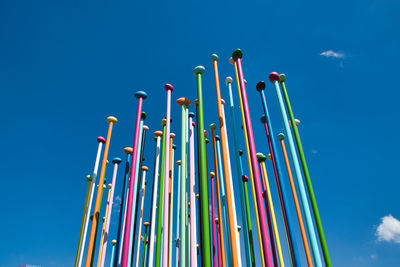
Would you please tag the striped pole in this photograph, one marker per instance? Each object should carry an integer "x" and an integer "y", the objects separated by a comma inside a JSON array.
[
  {"x": 169, "y": 90},
  {"x": 125, "y": 249},
  {"x": 116, "y": 162},
  {"x": 205, "y": 227},
  {"x": 214, "y": 247},
  {"x": 237, "y": 57},
  {"x": 248, "y": 255},
  {"x": 114, "y": 242},
  {"x": 235, "y": 246},
  {"x": 296, "y": 200},
  {"x": 307, "y": 177},
  {"x": 117, "y": 260},
  {"x": 142, "y": 197},
  {"x": 103, "y": 230},
  {"x": 192, "y": 193},
  {"x": 253, "y": 189},
  {"x": 171, "y": 198},
  {"x": 92, "y": 240},
  {"x": 158, "y": 135},
  {"x": 81, "y": 245},
  {"x": 274, "y": 78},
  {"x": 178, "y": 211},
  {"x": 146, "y": 225}
]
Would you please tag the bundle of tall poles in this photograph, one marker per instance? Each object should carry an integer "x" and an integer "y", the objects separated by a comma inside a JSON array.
[{"x": 193, "y": 213}]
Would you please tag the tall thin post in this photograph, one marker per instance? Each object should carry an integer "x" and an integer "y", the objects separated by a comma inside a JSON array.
[
  {"x": 145, "y": 241},
  {"x": 214, "y": 247},
  {"x": 192, "y": 193},
  {"x": 171, "y": 197},
  {"x": 114, "y": 242},
  {"x": 103, "y": 230},
  {"x": 178, "y": 211}
]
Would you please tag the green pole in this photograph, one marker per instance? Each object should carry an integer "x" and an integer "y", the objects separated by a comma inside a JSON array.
[
  {"x": 314, "y": 206},
  {"x": 205, "y": 227},
  {"x": 161, "y": 199}
]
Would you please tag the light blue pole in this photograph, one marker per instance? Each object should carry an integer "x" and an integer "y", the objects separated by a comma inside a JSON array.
[
  {"x": 228, "y": 81},
  {"x": 177, "y": 215},
  {"x": 223, "y": 220},
  {"x": 113, "y": 252},
  {"x": 274, "y": 78},
  {"x": 135, "y": 191}
]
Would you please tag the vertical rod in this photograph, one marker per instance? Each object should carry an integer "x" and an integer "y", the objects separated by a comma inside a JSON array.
[
  {"x": 214, "y": 247},
  {"x": 145, "y": 241},
  {"x": 171, "y": 207},
  {"x": 103, "y": 230},
  {"x": 178, "y": 211},
  {"x": 114, "y": 242},
  {"x": 192, "y": 193}
]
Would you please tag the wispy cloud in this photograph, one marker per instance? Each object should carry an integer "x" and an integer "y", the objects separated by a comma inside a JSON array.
[
  {"x": 389, "y": 229},
  {"x": 333, "y": 54},
  {"x": 314, "y": 151}
]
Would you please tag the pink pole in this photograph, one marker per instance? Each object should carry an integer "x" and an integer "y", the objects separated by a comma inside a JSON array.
[
  {"x": 116, "y": 162},
  {"x": 214, "y": 248},
  {"x": 125, "y": 252},
  {"x": 169, "y": 88},
  {"x": 193, "y": 228}
]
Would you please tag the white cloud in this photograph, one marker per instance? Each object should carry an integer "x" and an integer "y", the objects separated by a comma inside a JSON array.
[
  {"x": 373, "y": 256},
  {"x": 314, "y": 151},
  {"x": 331, "y": 53},
  {"x": 389, "y": 229}
]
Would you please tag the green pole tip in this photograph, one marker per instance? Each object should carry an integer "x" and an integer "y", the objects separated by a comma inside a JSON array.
[
  {"x": 237, "y": 54},
  {"x": 143, "y": 115},
  {"x": 282, "y": 78},
  {"x": 213, "y": 126},
  {"x": 198, "y": 70},
  {"x": 89, "y": 178},
  {"x": 261, "y": 157}
]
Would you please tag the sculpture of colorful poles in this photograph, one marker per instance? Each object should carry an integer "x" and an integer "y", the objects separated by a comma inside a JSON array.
[
  {"x": 249, "y": 162},
  {"x": 178, "y": 210},
  {"x": 218, "y": 243},
  {"x": 142, "y": 197},
  {"x": 125, "y": 249},
  {"x": 192, "y": 193},
  {"x": 306, "y": 173},
  {"x": 169, "y": 90},
  {"x": 113, "y": 243},
  {"x": 273, "y": 227},
  {"x": 138, "y": 151},
  {"x": 205, "y": 227},
  {"x": 103, "y": 229},
  {"x": 122, "y": 213},
  {"x": 274, "y": 78},
  {"x": 171, "y": 199},
  {"x": 82, "y": 241},
  {"x": 158, "y": 135},
  {"x": 145, "y": 241},
  {"x": 214, "y": 234},
  {"x": 249, "y": 258},
  {"x": 222, "y": 256},
  {"x": 237, "y": 57},
  {"x": 235, "y": 246},
  {"x": 224, "y": 218},
  {"x": 296, "y": 200},
  {"x": 116, "y": 162},
  {"x": 160, "y": 199},
  {"x": 92, "y": 240},
  {"x": 184, "y": 103}
]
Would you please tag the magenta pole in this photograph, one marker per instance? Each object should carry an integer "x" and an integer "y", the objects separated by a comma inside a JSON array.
[
  {"x": 193, "y": 228},
  {"x": 125, "y": 252},
  {"x": 214, "y": 247},
  {"x": 169, "y": 88}
]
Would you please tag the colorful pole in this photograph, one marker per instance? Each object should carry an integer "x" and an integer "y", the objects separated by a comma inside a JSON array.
[
  {"x": 306, "y": 173},
  {"x": 178, "y": 210},
  {"x": 235, "y": 246},
  {"x": 205, "y": 227},
  {"x": 296, "y": 201},
  {"x": 142, "y": 197},
  {"x": 214, "y": 248},
  {"x": 114, "y": 242},
  {"x": 116, "y": 162},
  {"x": 125, "y": 252},
  {"x": 192, "y": 193},
  {"x": 171, "y": 197},
  {"x": 249, "y": 263},
  {"x": 158, "y": 135},
  {"x": 237, "y": 57},
  {"x": 81, "y": 244},
  {"x": 146, "y": 225},
  {"x": 218, "y": 193},
  {"x": 117, "y": 260},
  {"x": 274, "y": 78},
  {"x": 103, "y": 230},
  {"x": 92, "y": 240},
  {"x": 184, "y": 103}
]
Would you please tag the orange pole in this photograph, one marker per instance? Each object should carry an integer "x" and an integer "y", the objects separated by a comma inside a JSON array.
[{"x": 91, "y": 247}]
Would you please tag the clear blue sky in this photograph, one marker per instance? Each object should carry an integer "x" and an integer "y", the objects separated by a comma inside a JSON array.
[{"x": 67, "y": 65}]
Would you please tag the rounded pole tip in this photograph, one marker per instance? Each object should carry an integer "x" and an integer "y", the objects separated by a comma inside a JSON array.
[
  {"x": 143, "y": 115},
  {"x": 128, "y": 150},
  {"x": 101, "y": 139},
  {"x": 282, "y": 77},
  {"x": 196, "y": 102},
  {"x": 179, "y": 162},
  {"x": 145, "y": 168},
  {"x": 281, "y": 136},
  {"x": 263, "y": 119},
  {"x": 207, "y": 140},
  {"x": 274, "y": 76},
  {"x": 157, "y": 133},
  {"x": 116, "y": 160},
  {"x": 169, "y": 87},
  {"x": 216, "y": 220},
  {"x": 172, "y": 135},
  {"x": 112, "y": 119},
  {"x": 245, "y": 81},
  {"x": 228, "y": 80},
  {"x": 245, "y": 178},
  {"x": 197, "y": 196},
  {"x": 239, "y": 228},
  {"x": 261, "y": 157},
  {"x": 212, "y": 175},
  {"x": 237, "y": 54},
  {"x": 145, "y": 128},
  {"x": 141, "y": 94},
  {"x": 198, "y": 70},
  {"x": 183, "y": 101},
  {"x": 217, "y": 138},
  {"x": 89, "y": 178},
  {"x": 296, "y": 121},
  {"x": 164, "y": 122},
  {"x": 146, "y": 224},
  {"x": 213, "y": 126},
  {"x": 193, "y": 124},
  {"x": 269, "y": 157},
  {"x": 205, "y": 133},
  {"x": 109, "y": 186},
  {"x": 214, "y": 57},
  {"x": 191, "y": 115},
  {"x": 240, "y": 152},
  {"x": 107, "y": 162},
  {"x": 260, "y": 86},
  {"x": 223, "y": 102},
  {"x": 231, "y": 61},
  {"x": 114, "y": 242},
  {"x": 173, "y": 146}
]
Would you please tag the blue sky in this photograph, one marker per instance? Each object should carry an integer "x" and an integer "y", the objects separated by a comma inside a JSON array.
[{"x": 67, "y": 65}]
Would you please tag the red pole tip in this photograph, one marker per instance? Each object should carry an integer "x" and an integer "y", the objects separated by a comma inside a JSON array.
[
  {"x": 101, "y": 139},
  {"x": 274, "y": 76},
  {"x": 169, "y": 87},
  {"x": 231, "y": 61},
  {"x": 245, "y": 178},
  {"x": 205, "y": 133},
  {"x": 196, "y": 102}
]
